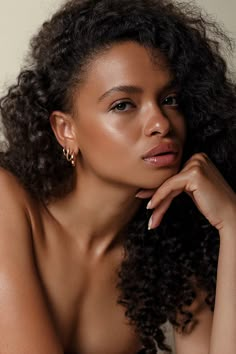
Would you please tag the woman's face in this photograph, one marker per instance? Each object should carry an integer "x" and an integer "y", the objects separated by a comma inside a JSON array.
[{"x": 126, "y": 107}]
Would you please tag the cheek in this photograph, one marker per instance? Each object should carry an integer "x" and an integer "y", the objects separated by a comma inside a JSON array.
[
  {"x": 108, "y": 147},
  {"x": 108, "y": 134}
]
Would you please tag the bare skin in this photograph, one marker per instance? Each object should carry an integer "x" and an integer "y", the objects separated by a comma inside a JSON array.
[
  {"x": 69, "y": 250},
  {"x": 81, "y": 290}
]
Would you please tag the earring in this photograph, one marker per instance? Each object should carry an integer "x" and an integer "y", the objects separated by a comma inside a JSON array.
[{"x": 69, "y": 156}]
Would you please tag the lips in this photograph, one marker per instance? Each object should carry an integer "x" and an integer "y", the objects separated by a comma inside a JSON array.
[{"x": 161, "y": 149}]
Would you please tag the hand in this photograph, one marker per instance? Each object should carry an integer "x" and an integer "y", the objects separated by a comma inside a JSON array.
[{"x": 201, "y": 180}]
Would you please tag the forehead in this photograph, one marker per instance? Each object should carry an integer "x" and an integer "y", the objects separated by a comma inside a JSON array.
[{"x": 127, "y": 60}]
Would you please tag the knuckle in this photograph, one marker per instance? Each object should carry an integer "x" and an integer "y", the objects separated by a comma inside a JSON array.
[
  {"x": 196, "y": 171},
  {"x": 202, "y": 156},
  {"x": 197, "y": 158}
]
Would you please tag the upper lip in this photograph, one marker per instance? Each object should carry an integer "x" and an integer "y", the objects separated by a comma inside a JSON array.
[{"x": 170, "y": 147}]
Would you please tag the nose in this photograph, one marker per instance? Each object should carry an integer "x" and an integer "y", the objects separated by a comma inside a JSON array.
[{"x": 156, "y": 122}]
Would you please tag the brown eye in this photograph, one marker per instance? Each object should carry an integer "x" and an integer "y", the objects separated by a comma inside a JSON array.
[
  {"x": 171, "y": 100},
  {"x": 122, "y": 106}
]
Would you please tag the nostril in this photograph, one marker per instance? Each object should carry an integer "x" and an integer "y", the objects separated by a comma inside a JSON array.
[{"x": 157, "y": 124}]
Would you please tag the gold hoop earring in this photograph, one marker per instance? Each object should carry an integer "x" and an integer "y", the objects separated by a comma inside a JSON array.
[{"x": 69, "y": 156}]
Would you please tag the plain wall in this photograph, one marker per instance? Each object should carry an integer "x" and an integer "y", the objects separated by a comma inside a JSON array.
[{"x": 19, "y": 20}]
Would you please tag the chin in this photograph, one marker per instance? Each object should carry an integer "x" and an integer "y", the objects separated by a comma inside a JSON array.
[{"x": 156, "y": 180}]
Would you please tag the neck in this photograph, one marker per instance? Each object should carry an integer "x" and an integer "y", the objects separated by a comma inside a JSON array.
[{"x": 96, "y": 212}]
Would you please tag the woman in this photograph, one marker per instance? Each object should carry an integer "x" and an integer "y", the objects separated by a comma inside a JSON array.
[{"x": 122, "y": 102}]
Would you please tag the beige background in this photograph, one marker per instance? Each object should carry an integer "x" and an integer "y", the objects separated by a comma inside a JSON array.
[{"x": 20, "y": 19}]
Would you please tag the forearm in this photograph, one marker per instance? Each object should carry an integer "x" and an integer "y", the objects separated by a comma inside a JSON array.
[{"x": 223, "y": 335}]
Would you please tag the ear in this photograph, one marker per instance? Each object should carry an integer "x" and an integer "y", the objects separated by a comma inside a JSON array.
[{"x": 63, "y": 127}]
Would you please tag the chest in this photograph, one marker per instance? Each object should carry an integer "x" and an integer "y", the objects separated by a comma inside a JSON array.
[{"x": 82, "y": 298}]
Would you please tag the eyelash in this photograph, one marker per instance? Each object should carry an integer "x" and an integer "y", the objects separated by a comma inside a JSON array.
[
  {"x": 114, "y": 108},
  {"x": 174, "y": 96}
]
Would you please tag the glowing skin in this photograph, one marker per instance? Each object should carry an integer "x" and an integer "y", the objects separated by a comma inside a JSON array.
[
  {"x": 125, "y": 106},
  {"x": 113, "y": 129},
  {"x": 117, "y": 126}
]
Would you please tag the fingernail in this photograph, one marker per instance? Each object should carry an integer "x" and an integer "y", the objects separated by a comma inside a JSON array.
[
  {"x": 149, "y": 205},
  {"x": 150, "y": 223}
]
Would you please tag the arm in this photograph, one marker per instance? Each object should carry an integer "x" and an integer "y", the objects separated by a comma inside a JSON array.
[
  {"x": 25, "y": 325},
  {"x": 223, "y": 336},
  {"x": 214, "y": 198},
  {"x": 215, "y": 334}
]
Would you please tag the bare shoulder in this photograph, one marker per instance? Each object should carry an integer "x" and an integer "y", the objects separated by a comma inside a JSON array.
[
  {"x": 14, "y": 209},
  {"x": 23, "y": 307},
  {"x": 11, "y": 188},
  {"x": 196, "y": 339}
]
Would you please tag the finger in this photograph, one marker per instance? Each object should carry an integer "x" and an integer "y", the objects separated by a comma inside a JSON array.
[
  {"x": 198, "y": 157},
  {"x": 145, "y": 193},
  {"x": 160, "y": 211},
  {"x": 195, "y": 159},
  {"x": 173, "y": 186}
]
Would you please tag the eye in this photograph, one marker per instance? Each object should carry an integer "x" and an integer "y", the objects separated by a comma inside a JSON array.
[
  {"x": 122, "y": 106},
  {"x": 171, "y": 100}
]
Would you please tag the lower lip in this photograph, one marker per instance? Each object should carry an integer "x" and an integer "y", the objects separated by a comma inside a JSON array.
[{"x": 162, "y": 160}]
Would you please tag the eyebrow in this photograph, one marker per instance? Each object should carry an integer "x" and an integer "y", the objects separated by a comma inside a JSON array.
[
  {"x": 122, "y": 88},
  {"x": 133, "y": 89}
]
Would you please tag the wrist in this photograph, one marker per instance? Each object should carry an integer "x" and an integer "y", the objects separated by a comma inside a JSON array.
[
  {"x": 228, "y": 226},
  {"x": 228, "y": 231}
]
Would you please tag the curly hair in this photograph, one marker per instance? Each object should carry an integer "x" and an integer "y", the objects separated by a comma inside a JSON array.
[{"x": 156, "y": 276}]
